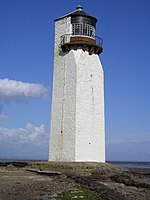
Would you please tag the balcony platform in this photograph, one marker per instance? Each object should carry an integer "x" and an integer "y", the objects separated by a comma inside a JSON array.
[{"x": 92, "y": 45}]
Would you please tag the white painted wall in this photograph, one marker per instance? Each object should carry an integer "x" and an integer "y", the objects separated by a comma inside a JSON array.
[
  {"x": 77, "y": 116},
  {"x": 56, "y": 136},
  {"x": 90, "y": 135}
]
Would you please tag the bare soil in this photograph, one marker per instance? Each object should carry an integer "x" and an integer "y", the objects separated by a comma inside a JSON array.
[{"x": 64, "y": 181}]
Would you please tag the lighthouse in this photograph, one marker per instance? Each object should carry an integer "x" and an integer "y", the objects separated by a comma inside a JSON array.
[{"x": 77, "y": 131}]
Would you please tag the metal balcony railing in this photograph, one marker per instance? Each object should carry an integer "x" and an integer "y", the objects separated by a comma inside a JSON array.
[{"x": 72, "y": 39}]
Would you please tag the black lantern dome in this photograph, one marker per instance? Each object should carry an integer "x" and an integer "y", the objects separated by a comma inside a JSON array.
[{"x": 83, "y": 33}]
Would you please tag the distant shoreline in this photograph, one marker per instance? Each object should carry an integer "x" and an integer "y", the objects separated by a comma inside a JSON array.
[
  {"x": 125, "y": 164},
  {"x": 131, "y": 165}
]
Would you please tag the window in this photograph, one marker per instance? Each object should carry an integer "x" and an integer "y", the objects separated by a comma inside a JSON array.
[{"x": 83, "y": 29}]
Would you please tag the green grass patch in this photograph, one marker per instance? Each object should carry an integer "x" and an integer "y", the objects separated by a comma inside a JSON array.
[{"x": 81, "y": 194}]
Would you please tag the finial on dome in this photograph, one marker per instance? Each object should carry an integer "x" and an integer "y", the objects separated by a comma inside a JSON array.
[{"x": 79, "y": 8}]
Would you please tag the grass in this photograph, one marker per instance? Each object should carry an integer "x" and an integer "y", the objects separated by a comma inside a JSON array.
[
  {"x": 78, "y": 194},
  {"x": 81, "y": 194}
]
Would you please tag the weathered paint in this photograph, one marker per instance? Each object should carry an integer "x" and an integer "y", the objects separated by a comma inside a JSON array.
[{"x": 77, "y": 117}]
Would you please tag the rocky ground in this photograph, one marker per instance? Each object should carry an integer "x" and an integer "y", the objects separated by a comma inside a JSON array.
[{"x": 64, "y": 181}]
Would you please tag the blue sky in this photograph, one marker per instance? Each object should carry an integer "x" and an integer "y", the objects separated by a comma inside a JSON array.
[{"x": 26, "y": 69}]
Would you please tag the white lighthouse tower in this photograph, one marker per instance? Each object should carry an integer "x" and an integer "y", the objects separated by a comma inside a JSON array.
[{"x": 77, "y": 118}]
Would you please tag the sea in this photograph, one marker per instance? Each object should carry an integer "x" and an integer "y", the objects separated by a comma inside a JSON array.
[{"x": 131, "y": 165}]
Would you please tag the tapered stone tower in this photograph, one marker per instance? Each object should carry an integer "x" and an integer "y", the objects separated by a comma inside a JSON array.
[{"x": 77, "y": 131}]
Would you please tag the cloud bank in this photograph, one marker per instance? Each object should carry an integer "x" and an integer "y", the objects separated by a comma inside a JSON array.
[
  {"x": 18, "y": 92},
  {"x": 30, "y": 142}
]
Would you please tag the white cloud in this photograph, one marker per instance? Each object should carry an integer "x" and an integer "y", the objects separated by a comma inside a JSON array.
[
  {"x": 16, "y": 91},
  {"x": 30, "y": 142}
]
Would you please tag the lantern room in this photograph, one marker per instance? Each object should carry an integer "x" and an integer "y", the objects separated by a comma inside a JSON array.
[{"x": 82, "y": 33}]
